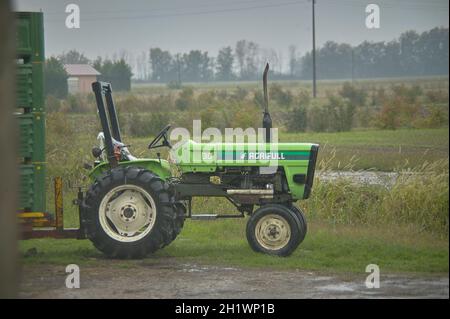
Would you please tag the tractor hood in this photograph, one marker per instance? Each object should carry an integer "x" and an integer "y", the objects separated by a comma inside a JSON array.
[{"x": 211, "y": 155}]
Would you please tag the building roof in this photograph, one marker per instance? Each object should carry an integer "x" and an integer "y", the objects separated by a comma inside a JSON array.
[{"x": 80, "y": 69}]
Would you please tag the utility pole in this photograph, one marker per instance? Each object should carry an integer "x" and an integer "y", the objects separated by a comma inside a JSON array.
[
  {"x": 353, "y": 66},
  {"x": 178, "y": 69},
  {"x": 314, "y": 47}
]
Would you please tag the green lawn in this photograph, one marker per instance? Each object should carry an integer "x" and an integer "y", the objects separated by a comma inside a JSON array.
[{"x": 326, "y": 248}]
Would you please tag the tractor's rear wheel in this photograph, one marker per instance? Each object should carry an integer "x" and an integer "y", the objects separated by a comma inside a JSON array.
[
  {"x": 129, "y": 212},
  {"x": 275, "y": 230}
]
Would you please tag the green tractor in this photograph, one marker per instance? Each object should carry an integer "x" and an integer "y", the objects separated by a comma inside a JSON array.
[{"x": 137, "y": 206}]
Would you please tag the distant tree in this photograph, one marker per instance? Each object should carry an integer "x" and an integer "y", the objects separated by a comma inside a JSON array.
[
  {"x": 240, "y": 56},
  {"x": 251, "y": 61},
  {"x": 334, "y": 60},
  {"x": 121, "y": 75},
  {"x": 224, "y": 64},
  {"x": 98, "y": 63},
  {"x": 433, "y": 51},
  {"x": 55, "y": 77},
  {"x": 306, "y": 66},
  {"x": 206, "y": 69},
  {"x": 413, "y": 54},
  {"x": 162, "y": 65},
  {"x": 118, "y": 73},
  {"x": 178, "y": 66},
  {"x": 391, "y": 64},
  {"x": 370, "y": 58},
  {"x": 196, "y": 66},
  {"x": 409, "y": 55},
  {"x": 271, "y": 56},
  {"x": 292, "y": 60},
  {"x": 142, "y": 65},
  {"x": 247, "y": 53},
  {"x": 73, "y": 57}
]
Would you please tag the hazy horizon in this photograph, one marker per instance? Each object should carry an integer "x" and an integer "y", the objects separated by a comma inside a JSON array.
[{"x": 111, "y": 27}]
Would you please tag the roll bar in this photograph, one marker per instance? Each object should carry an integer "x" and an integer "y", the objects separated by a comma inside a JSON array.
[{"x": 108, "y": 117}]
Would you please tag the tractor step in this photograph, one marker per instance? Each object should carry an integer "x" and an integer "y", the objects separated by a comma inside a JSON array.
[
  {"x": 214, "y": 216},
  {"x": 261, "y": 192},
  {"x": 204, "y": 216}
]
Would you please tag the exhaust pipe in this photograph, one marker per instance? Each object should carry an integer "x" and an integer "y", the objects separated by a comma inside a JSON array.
[{"x": 267, "y": 120}]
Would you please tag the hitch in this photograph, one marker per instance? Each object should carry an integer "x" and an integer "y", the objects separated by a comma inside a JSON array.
[{"x": 43, "y": 225}]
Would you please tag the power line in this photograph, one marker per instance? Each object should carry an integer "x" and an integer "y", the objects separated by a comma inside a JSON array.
[
  {"x": 390, "y": 4},
  {"x": 191, "y": 13},
  {"x": 177, "y": 8}
]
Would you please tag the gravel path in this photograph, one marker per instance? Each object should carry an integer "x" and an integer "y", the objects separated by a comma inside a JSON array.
[{"x": 167, "y": 278}]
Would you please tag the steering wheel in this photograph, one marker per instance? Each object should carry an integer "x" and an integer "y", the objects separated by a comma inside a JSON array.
[{"x": 161, "y": 135}]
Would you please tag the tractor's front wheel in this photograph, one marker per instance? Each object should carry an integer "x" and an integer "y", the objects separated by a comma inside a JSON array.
[
  {"x": 275, "y": 230},
  {"x": 301, "y": 217},
  {"x": 129, "y": 213}
]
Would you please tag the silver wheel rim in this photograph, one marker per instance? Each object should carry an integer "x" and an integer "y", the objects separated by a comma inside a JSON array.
[
  {"x": 127, "y": 213},
  {"x": 273, "y": 232}
]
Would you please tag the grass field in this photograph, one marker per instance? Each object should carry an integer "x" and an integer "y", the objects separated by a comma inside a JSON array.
[
  {"x": 324, "y": 86},
  {"x": 326, "y": 248},
  {"x": 382, "y": 150}
]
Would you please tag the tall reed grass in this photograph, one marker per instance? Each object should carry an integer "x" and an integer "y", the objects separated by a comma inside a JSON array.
[{"x": 417, "y": 197}]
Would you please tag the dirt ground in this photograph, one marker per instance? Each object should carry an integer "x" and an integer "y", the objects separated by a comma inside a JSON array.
[{"x": 169, "y": 278}]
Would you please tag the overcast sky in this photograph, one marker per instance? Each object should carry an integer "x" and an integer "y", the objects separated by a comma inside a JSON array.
[{"x": 109, "y": 26}]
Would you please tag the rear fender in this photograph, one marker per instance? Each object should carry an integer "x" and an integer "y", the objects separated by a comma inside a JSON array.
[{"x": 159, "y": 167}]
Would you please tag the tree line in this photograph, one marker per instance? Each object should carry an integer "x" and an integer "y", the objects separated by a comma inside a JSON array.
[{"x": 412, "y": 54}]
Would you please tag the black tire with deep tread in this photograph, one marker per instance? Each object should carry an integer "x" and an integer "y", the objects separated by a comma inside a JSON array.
[
  {"x": 181, "y": 215},
  {"x": 295, "y": 222},
  {"x": 301, "y": 217},
  {"x": 169, "y": 214}
]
